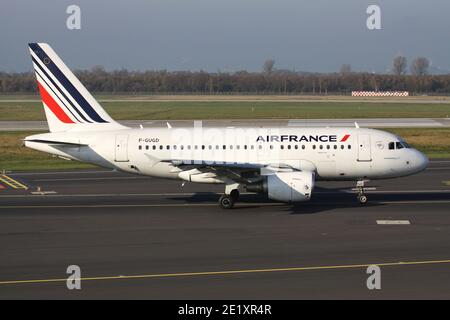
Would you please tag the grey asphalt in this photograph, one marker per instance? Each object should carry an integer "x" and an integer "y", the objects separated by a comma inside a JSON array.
[
  {"x": 371, "y": 123},
  {"x": 114, "y": 224}
]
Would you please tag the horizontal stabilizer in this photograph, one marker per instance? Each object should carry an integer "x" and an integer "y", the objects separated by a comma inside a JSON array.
[{"x": 53, "y": 142}]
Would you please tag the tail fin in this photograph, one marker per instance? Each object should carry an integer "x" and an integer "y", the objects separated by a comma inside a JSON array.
[{"x": 67, "y": 103}]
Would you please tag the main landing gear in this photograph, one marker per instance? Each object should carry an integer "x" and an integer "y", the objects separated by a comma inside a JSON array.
[
  {"x": 362, "y": 198},
  {"x": 226, "y": 201}
]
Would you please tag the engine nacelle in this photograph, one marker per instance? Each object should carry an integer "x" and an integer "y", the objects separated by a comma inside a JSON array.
[
  {"x": 286, "y": 186},
  {"x": 195, "y": 175}
]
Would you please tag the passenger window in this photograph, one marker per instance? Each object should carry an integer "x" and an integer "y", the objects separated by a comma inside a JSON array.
[
  {"x": 161, "y": 147},
  {"x": 154, "y": 147},
  {"x": 321, "y": 147},
  {"x": 296, "y": 147},
  {"x": 342, "y": 146},
  {"x": 303, "y": 147},
  {"x": 349, "y": 146},
  {"x": 282, "y": 147},
  {"x": 391, "y": 145},
  {"x": 140, "y": 147},
  {"x": 314, "y": 147},
  {"x": 335, "y": 146},
  {"x": 328, "y": 146}
]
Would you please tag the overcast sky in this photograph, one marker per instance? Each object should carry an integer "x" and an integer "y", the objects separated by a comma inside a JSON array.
[{"x": 227, "y": 35}]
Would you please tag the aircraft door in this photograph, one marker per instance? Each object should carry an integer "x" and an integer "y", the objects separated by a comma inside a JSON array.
[
  {"x": 121, "y": 148},
  {"x": 364, "y": 152}
]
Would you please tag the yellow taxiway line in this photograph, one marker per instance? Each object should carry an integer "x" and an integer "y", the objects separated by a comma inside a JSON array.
[
  {"x": 229, "y": 272},
  {"x": 12, "y": 183}
]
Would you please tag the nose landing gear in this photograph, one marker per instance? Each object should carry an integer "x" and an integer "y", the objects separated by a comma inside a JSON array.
[{"x": 362, "y": 198}]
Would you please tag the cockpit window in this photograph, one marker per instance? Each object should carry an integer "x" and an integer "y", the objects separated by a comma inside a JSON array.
[
  {"x": 398, "y": 145},
  {"x": 407, "y": 146}
]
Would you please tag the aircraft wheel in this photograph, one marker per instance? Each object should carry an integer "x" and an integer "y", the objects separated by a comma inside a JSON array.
[
  {"x": 226, "y": 202},
  {"x": 362, "y": 199}
]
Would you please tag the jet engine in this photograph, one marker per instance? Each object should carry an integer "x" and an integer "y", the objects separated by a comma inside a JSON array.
[{"x": 286, "y": 186}]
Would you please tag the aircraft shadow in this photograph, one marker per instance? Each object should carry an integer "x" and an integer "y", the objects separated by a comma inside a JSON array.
[{"x": 323, "y": 199}]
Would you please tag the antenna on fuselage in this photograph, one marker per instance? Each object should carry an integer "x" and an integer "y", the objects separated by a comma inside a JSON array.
[
  {"x": 168, "y": 125},
  {"x": 356, "y": 125}
]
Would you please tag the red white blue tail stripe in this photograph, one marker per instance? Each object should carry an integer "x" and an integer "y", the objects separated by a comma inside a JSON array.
[{"x": 61, "y": 91}]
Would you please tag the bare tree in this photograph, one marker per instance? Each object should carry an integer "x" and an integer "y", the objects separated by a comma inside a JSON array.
[
  {"x": 268, "y": 66},
  {"x": 420, "y": 66},
  {"x": 345, "y": 69},
  {"x": 399, "y": 65}
]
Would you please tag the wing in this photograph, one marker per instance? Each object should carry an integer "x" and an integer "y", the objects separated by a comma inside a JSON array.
[{"x": 224, "y": 172}]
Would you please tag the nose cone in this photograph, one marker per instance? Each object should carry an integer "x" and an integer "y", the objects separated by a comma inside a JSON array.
[{"x": 420, "y": 161}]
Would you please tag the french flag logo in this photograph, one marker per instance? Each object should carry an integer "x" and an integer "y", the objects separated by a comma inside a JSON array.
[{"x": 345, "y": 137}]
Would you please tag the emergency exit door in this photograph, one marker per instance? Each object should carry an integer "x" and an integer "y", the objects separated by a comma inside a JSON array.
[
  {"x": 121, "y": 148},
  {"x": 364, "y": 152}
]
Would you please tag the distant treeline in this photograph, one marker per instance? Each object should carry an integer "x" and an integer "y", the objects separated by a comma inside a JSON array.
[{"x": 275, "y": 82}]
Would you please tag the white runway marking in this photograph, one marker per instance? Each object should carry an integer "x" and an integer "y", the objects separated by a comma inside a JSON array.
[
  {"x": 206, "y": 193},
  {"x": 401, "y": 191},
  {"x": 111, "y": 195},
  {"x": 89, "y": 179},
  {"x": 168, "y": 205},
  {"x": 61, "y": 172},
  {"x": 393, "y": 222}
]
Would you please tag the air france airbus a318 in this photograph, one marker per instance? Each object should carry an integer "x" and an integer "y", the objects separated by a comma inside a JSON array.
[{"x": 283, "y": 163}]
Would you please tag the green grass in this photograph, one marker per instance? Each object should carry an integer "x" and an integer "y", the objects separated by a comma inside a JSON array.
[
  {"x": 14, "y": 156},
  {"x": 435, "y": 143},
  {"x": 161, "y": 110}
]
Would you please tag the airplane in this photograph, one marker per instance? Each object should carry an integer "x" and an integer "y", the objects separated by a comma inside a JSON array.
[{"x": 282, "y": 162}]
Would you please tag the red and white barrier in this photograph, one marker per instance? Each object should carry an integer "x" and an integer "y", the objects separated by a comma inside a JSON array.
[{"x": 380, "y": 93}]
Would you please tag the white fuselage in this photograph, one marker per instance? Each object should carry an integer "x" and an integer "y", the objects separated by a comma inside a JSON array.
[{"x": 332, "y": 153}]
